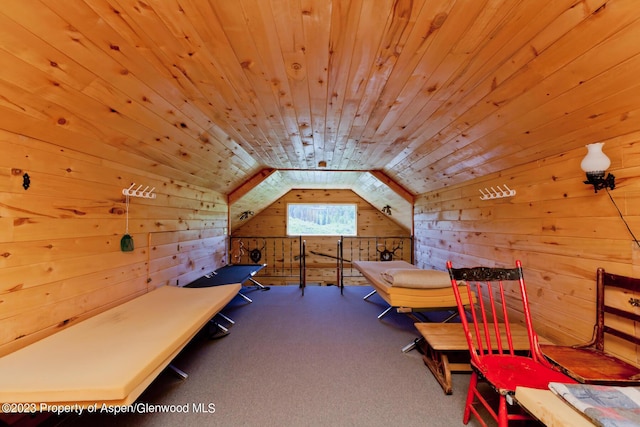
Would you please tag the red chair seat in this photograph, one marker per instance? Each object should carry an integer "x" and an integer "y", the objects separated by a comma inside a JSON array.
[{"x": 505, "y": 372}]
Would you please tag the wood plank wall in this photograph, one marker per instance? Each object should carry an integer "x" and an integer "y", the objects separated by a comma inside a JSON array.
[
  {"x": 272, "y": 222},
  {"x": 60, "y": 258},
  {"x": 556, "y": 225}
]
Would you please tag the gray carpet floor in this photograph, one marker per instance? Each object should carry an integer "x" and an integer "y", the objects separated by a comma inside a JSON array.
[{"x": 322, "y": 359}]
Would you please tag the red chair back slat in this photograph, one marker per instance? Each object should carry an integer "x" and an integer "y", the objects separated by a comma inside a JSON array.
[{"x": 489, "y": 313}]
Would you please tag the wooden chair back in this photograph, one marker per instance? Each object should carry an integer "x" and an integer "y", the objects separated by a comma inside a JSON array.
[
  {"x": 617, "y": 308},
  {"x": 489, "y": 328},
  {"x": 611, "y": 357}
]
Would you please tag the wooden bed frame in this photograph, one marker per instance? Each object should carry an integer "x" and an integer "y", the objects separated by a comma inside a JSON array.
[{"x": 112, "y": 357}]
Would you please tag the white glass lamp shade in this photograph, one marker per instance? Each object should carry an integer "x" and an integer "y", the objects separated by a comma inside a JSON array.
[{"x": 595, "y": 160}]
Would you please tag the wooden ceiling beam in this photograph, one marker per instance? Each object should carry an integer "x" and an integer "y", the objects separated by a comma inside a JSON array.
[
  {"x": 397, "y": 188},
  {"x": 249, "y": 185}
]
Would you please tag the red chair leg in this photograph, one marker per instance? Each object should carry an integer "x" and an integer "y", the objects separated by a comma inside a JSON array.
[
  {"x": 473, "y": 383},
  {"x": 503, "y": 415}
]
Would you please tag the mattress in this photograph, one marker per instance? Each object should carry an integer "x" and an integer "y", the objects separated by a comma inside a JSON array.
[{"x": 113, "y": 356}]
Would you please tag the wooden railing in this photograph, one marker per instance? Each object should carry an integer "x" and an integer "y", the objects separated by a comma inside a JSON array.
[
  {"x": 371, "y": 249},
  {"x": 282, "y": 254}
]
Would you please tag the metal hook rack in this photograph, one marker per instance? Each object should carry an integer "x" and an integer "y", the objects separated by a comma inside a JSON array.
[
  {"x": 498, "y": 193},
  {"x": 145, "y": 194}
]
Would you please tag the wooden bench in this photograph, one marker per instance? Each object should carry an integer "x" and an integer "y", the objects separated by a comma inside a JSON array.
[
  {"x": 112, "y": 357},
  {"x": 617, "y": 313},
  {"x": 445, "y": 349}
]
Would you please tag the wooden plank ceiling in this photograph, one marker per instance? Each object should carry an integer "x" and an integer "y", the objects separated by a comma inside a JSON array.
[{"x": 431, "y": 93}]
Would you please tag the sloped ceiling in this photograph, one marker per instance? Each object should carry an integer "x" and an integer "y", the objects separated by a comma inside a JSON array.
[
  {"x": 364, "y": 184},
  {"x": 210, "y": 93}
]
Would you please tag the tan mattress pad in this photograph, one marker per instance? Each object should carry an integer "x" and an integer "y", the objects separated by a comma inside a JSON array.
[{"x": 113, "y": 356}]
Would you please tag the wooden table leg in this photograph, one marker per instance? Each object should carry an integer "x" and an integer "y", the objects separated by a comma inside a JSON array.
[{"x": 438, "y": 364}]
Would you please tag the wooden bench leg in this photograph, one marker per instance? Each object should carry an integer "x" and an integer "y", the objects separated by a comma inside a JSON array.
[
  {"x": 438, "y": 364},
  {"x": 441, "y": 366}
]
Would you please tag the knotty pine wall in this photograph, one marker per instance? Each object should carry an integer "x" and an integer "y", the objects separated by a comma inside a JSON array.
[
  {"x": 272, "y": 222},
  {"x": 556, "y": 225},
  {"x": 60, "y": 258}
]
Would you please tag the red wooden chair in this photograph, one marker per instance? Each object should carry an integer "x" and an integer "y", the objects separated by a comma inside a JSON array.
[{"x": 491, "y": 342}]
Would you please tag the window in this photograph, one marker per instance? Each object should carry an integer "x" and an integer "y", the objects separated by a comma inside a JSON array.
[{"x": 321, "y": 219}]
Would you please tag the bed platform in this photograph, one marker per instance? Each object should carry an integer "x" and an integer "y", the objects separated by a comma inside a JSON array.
[
  {"x": 423, "y": 290},
  {"x": 113, "y": 356}
]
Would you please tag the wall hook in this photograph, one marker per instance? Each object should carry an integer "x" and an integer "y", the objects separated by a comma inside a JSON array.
[
  {"x": 138, "y": 192},
  {"x": 498, "y": 193}
]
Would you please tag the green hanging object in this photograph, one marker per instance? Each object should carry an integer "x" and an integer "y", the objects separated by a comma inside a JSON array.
[{"x": 126, "y": 243}]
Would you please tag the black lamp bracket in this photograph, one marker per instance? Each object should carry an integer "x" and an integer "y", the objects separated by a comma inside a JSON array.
[{"x": 599, "y": 182}]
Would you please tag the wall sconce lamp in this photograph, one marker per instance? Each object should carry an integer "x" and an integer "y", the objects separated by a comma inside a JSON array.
[
  {"x": 595, "y": 164},
  {"x": 387, "y": 210}
]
